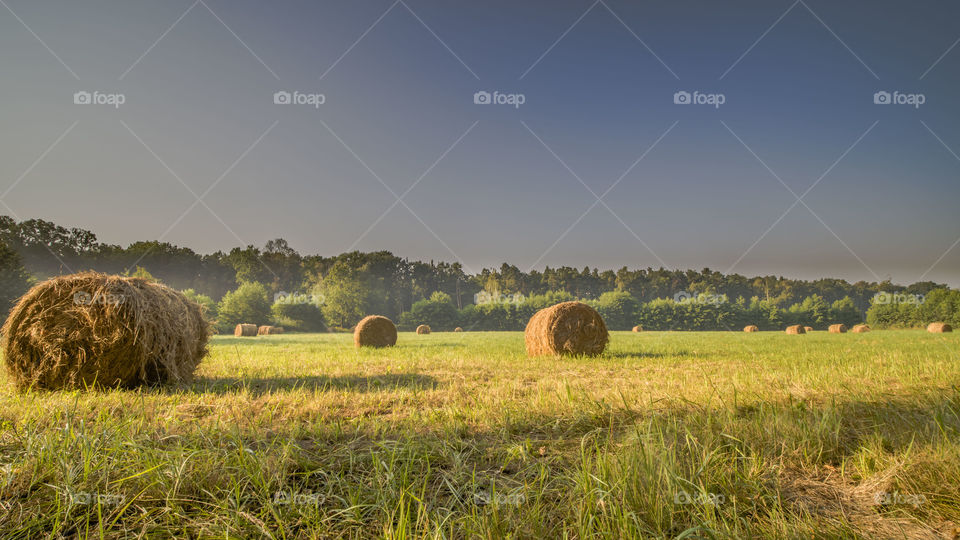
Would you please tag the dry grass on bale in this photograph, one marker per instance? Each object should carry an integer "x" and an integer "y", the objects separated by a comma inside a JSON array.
[
  {"x": 637, "y": 328},
  {"x": 267, "y": 330},
  {"x": 860, "y": 329},
  {"x": 796, "y": 329},
  {"x": 458, "y": 329},
  {"x": 245, "y": 330},
  {"x": 423, "y": 329},
  {"x": 751, "y": 328},
  {"x": 838, "y": 328},
  {"x": 97, "y": 330},
  {"x": 808, "y": 329},
  {"x": 566, "y": 328},
  {"x": 939, "y": 327},
  {"x": 375, "y": 331}
]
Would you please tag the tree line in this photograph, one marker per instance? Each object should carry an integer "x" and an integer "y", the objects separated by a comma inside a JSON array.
[{"x": 348, "y": 286}]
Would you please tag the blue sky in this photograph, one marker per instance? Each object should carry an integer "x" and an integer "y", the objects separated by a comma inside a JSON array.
[{"x": 686, "y": 186}]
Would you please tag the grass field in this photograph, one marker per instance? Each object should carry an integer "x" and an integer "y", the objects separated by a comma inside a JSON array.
[{"x": 697, "y": 435}]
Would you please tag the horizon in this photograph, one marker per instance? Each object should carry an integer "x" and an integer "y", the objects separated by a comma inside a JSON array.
[{"x": 558, "y": 134}]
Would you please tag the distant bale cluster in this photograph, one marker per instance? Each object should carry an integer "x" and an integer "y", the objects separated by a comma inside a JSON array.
[
  {"x": 860, "y": 329},
  {"x": 375, "y": 331},
  {"x": 269, "y": 330},
  {"x": 838, "y": 329},
  {"x": 423, "y": 329},
  {"x": 568, "y": 328},
  {"x": 245, "y": 330},
  {"x": 939, "y": 328},
  {"x": 796, "y": 329},
  {"x": 751, "y": 328},
  {"x": 97, "y": 330}
]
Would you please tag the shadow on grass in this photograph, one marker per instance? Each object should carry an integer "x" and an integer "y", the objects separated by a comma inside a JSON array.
[{"x": 322, "y": 383}]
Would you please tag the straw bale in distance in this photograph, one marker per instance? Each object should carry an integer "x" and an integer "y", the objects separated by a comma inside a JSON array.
[
  {"x": 423, "y": 329},
  {"x": 637, "y": 328},
  {"x": 808, "y": 329},
  {"x": 245, "y": 330},
  {"x": 751, "y": 328},
  {"x": 566, "y": 328},
  {"x": 860, "y": 329},
  {"x": 939, "y": 327},
  {"x": 796, "y": 329},
  {"x": 375, "y": 331},
  {"x": 458, "y": 329},
  {"x": 838, "y": 328}
]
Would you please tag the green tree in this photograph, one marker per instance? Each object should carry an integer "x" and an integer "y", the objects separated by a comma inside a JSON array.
[
  {"x": 343, "y": 295},
  {"x": 207, "y": 304},
  {"x": 437, "y": 311},
  {"x": 248, "y": 304},
  {"x": 298, "y": 316},
  {"x": 14, "y": 280}
]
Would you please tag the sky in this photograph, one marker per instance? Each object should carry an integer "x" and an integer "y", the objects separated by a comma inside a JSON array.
[{"x": 776, "y": 160}]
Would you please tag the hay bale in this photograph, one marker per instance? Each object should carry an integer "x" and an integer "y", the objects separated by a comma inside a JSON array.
[
  {"x": 838, "y": 328},
  {"x": 375, "y": 331},
  {"x": 939, "y": 327},
  {"x": 97, "y": 330},
  {"x": 796, "y": 329},
  {"x": 808, "y": 329},
  {"x": 458, "y": 329},
  {"x": 751, "y": 328},
  {"x": 566, "y": 328},
  {"x": 245, "y": 330},
  {"x": 860, "y": 329},
  {"x": 423, "y": 329},
  {"x": 637, "y": 328},
  {"x": 266, "y": 330}
]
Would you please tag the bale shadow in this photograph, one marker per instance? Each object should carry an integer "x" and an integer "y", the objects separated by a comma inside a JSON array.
[{"x": 322, "y": 383}]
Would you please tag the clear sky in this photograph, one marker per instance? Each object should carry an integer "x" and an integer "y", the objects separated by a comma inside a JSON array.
[{"x": 680, "y": 185}]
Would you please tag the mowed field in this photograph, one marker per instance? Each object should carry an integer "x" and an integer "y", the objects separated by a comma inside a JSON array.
[{"x": 683, "y": 434}]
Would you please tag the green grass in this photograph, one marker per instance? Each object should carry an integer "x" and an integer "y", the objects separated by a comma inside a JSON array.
[{"x": 696, "y": 435}]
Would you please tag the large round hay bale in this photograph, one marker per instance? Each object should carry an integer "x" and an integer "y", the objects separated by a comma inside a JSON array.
[
  {"x": 808, "y": 329},
  {"x": 245, "y": 330},
  {"x": 566, "y": 328},
  {"x": 751, "y": 328},
  {"x": 860, "y": 329},
  {"x": 939, "y": 327},
  {"x": 838, "y": 328},
  {"x": 423, "y": 329},
  {"x": 637, "y": 328},
  {"x": 97, "y": 330},
  {"x": 375, "y": 331},
  {"x": 796, "y": 329},
  {"x": 458, "y": 329}
]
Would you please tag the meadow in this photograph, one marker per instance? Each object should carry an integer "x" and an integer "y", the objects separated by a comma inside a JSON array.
[{"x": 451, "y": 435}]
